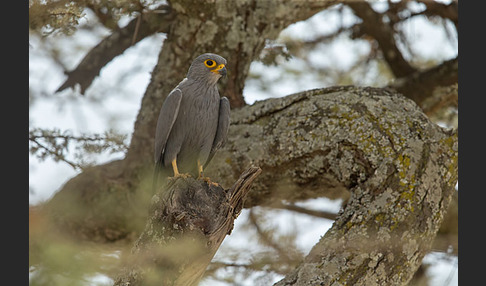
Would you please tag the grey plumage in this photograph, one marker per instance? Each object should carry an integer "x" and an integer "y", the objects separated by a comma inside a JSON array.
[{"x": 193, "y": 121}]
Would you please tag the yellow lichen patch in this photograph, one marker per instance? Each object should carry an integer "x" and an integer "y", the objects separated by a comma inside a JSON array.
[
  {"x": 406, "y": 200},
  {"x": 380, "y": 218},
  {"x": 383, "y": 220},
  {"x": 407, "y": 182},
  {"x": 335, "y": 108},
  {"x": 407, "y": 178},
  {"x": 453, "y": 161}
]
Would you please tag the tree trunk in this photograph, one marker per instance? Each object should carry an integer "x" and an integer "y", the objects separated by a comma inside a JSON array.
[
  {"x": 236, "y": 30},
  {"x": 108, "y": 202}
]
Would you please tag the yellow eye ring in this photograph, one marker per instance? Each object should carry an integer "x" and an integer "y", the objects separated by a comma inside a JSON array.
[{"x": 210, "y": 63}]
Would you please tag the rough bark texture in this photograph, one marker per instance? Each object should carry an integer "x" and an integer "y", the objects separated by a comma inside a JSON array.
[
  {"x": 400, "y": 168},
  {"x": 188, "y": 221}
]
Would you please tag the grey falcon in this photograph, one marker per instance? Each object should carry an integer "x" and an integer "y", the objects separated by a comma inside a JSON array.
[{"x": 193, "y": 121}]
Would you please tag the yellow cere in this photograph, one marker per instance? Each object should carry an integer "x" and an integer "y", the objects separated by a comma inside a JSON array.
[{"x": 218, "y": 68}]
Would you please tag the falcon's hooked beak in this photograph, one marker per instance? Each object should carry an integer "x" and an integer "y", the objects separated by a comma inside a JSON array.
[{"x": 221, "y": 69}]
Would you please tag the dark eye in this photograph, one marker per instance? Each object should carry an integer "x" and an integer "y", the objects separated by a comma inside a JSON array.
[{"x": 210, "y": 63}]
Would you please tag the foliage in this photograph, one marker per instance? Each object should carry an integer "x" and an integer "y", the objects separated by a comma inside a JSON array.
[
  {"x": 63, "y": 15},
  {"x": 58, "y": 145},
  {"x": 52, "y": 16}
]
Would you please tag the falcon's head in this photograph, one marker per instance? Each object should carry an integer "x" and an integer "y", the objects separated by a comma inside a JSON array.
[{"x": 208, "y": 68}]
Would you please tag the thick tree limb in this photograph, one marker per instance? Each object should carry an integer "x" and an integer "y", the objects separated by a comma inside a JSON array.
[
  {"x": 187, "y": 223},
  {"x": 115, "y": 44},
  {"x": 401, "y": 177}
]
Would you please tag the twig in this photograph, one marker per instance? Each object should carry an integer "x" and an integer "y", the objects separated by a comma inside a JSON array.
[
  {"x": 292, "y": 207},
  {"x": 57, "y": 155},
  {"x": 137, "y": 27}
]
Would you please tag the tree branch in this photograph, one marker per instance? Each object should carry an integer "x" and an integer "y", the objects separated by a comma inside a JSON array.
[
  {"x": 144, "y": 25},
  {"x": 420, "y": 85},
  {"x": 417, "y": 85},
  {"x": 374, "y": 26},
  {"x": 392, "y": 217},
  {"x": 295, "y": 208}
]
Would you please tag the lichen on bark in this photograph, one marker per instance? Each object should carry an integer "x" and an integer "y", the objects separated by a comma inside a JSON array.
[{"x": 399, "y": 168}]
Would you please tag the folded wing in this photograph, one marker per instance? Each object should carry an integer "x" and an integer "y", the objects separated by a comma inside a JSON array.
[
  {"x": 167, "y": 117},
  {"x": 222, "y": 130}
]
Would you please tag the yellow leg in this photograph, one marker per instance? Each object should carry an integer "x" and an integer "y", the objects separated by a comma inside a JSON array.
[
  {"x": 174, "y": 167},
  {"x": 176, "y": 170},
  {"x": 200, "y": 170}
]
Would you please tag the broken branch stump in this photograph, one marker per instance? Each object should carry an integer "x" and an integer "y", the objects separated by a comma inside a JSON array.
[{"x": 188, "y": 220}]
